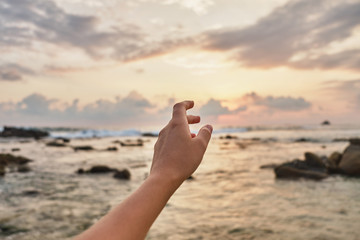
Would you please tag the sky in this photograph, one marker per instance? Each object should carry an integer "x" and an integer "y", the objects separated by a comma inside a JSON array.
[{"x": 124, "y": 63}]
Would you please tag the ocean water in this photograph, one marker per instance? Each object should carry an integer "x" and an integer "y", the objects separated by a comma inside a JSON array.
[{"x": 229, "y": 198}]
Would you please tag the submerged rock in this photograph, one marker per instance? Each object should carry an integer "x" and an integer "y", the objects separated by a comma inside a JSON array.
[
  {"x": 129, "y": 143},
  {"x": 326, "y": 122},
  {"x": 22, "y": 132},
  {"x": 55, "y": 144},
  {"x": 23, "y": 168},
  {"x": 7, "y": 230},
  {"x": 111, "y": 149},
  {"x": 83, "y": 148},
  {"x": 122, "y": 174},
  {"x": 300, "y": 169},
  {"x": 99, "y": 169},
  {"x": 149, "y": 134},
  {"x": 294, "y": 173},
  {"x": 7, "y": 159}
]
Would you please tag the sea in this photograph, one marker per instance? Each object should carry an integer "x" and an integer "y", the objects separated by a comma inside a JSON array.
[{"x": 229, "y": 196}]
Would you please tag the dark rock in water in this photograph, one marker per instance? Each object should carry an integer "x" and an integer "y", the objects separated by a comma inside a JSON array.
[
  {"x": 30, "y": 193},
  {"x": 326, "y": 122},
  {"x": 340, "y": 140},
  {"x": 149, "y": 134},
  {"x": 64, "y": 140},
  {"x": 299, "y": 169},
  {"x": 270, "y": 165},
  {"x": 23, "y": 133},
  {"x": 15, "y": 149},
  {"x": 7, "y": 230},
  {"x": 138, "y": 143},
  {"x": 354, "y": 141},
  {"x": 55, "y": 144},
  {"x": 122, "y": 174},
  {"x": 7, "y": 159},
  {"x": 334, "y": 159},
  {"x": 2, "y": 170},
  {"x": 97, "y": 169},
  {"x": 350, "y": 161},
  {"x": 312, "y": 160},
  {"x": 294, "y": 173},
  {"x": 191, "y": 178},
  {"x": 24, "y": 168},
  {"x": 83, "y": 148},
  {"x": 100, "y": 169},
  {"x": 228, "y": 137},
  {"x": 111, "y": 149},
  {"x": 305, "y": 140}
]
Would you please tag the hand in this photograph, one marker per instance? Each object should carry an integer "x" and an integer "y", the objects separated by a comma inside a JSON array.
[{"x": 178, "y": 152}]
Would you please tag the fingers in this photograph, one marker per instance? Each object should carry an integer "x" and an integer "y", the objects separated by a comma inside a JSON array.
[
  {"x": 180, "y": 108},
  {"x": 204, "y": 134},
  {"x": 193, "y": 119}
]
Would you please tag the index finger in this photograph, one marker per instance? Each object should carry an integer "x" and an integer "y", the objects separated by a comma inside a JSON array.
[{"x": 180, "y": 108}]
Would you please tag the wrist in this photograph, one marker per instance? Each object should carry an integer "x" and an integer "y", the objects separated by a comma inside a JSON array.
[{"x": 166, "y": 180}]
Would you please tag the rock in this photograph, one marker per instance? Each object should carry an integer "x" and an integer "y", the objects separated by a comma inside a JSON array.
[
  {"x": 326, "y": 122},
  {"x": 149, "y": 134},
  {"x": 7, "y": 230},
  {"x": 80, "y": 171},
  {"x": 99, "y": 169},
  {"x": 350, "y": 161},
  {"x": 334, "y": 159},
  {"x": 83, "y": 148},
  {"x": 229, "y": 137},
  {"x": 55, "y": 144},
  {"x": 137, "y": 143},
  {"x": 24, "y": 168},
  {"x": 304, "y": 140},
  {"x": 15, "y": 149},
  {"x": 7, "y": 159},
  {"x": 191, "y": 178},
  {"x": 122, "y": 174},
  {"x": 293, "y": 173},
  {"x": 299, "y": 169},
  {"x": 340, "y": 140},
  {"x": 30, "y": 192},
  {"x": 354, "y": 141},
  {"x": 24, "y": 133},
  {"x": 64, "y": 140},
  {"x": 270, "y": 165},
  {"x": 111, "y": 149},
  {"x": 2, "y": 170},
  {"x": 312, "y": 160}
]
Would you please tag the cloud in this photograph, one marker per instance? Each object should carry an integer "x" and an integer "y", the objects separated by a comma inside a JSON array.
[
  {"x": 297, "y": 27},
  {"x": 37, "y": 109},
  {"x": 215, "y": 108},
  {"x": 23, "y": 22},
  {"x": 285, "y": 103},
  {"x": 13, "y": 72}
]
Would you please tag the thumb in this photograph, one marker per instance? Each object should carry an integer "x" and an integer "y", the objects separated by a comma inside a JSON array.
[{"x": 204, "y": 134}]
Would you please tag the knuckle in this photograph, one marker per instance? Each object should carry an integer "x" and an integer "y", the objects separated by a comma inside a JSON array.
[{"x": 177, "y": 105}]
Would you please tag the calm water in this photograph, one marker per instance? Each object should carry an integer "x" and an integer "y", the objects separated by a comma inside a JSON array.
[{"x": 230, "y": 197}]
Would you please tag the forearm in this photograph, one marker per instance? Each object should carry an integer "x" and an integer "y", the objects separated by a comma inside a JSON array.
[{"x": 132, "y": 219}]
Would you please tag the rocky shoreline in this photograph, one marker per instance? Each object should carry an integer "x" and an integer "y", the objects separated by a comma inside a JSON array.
[{"x": 318, "y": 168}]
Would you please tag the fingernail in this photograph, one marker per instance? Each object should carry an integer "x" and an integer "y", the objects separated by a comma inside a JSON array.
[{"x": 209, "y": 127}]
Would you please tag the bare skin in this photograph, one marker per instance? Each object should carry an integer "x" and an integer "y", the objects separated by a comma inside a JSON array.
[{"x": 177, "y": 154}]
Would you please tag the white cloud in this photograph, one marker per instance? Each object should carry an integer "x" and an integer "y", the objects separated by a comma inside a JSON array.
[{"x": 300, "y": 26}]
